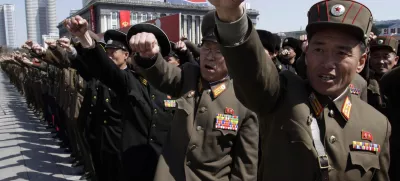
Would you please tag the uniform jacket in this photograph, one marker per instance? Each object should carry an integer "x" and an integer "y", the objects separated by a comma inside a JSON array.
[
  {"x": 196, "y": 148},
  {"x": 146, "y": 121},
  {"x": 282, "y": 103}
]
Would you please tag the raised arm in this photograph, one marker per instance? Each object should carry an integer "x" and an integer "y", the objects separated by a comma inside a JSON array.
[
  {"x": 162, "y": 75},
  {"x": 256, "y": 80}
]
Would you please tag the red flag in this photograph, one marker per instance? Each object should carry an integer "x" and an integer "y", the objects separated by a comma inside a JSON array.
[{"x": 124, "y": 19}]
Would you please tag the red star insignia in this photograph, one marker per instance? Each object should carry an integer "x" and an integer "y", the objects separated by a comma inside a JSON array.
[{"x": 337, "y": 9}]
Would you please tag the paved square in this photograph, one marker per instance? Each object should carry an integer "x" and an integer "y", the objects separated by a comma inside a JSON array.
[{"x": 27, "y": 150}]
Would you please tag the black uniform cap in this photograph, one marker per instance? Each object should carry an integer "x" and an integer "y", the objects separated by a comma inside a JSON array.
[
  {"x": 268, "y": 40},
  {"x": 116, "y": 39}
]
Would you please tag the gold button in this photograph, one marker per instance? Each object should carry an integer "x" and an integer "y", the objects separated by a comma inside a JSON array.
[
  {"x": 155, "y": 111},
  {"x": 188, "y": 163},
  {"x": 331, "y": 113},
  {"x": 332, "y": 139},
  {"x": 153, "y": 125},
  {"x": 105, "y": 110},
  {"x": 198, "y": 128},
  {"x": 105, "y": 122},
  {"x": 107, "y": 100},
  {"x": 153, "y": 97},
  {"x": 90, "y": 113},
  {"x": 94, "y": 97},
  {"x": 91, "y": 105},
  {"x": 203, "y": 109},
  {"x": 80, "y": 90}
]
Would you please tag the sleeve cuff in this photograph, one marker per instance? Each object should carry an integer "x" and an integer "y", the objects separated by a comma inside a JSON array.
[
  {"x": 145, "y": 63},
  {"x": 233, "y": 32}
]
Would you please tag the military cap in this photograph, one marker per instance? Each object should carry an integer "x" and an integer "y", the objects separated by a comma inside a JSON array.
[
  {"x": 278, "y": 42},
  {"x": 116, "y": 39},
  {"x": 268, "y": 40},
  {"x": 160, "y": 35},
  {"x": 207, "y": 27},
  {"x": 385, "y": 42},
  {"x": 350, "y": 16},
  {"x": 291, "y": 42}
]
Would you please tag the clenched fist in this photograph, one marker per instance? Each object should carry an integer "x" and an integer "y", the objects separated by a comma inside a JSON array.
[
  {"x": 51, "y": 43},
  {"x": 38, "y": 49},
  {"x": 180, "y": 46},
  {"x": 65, "y": 43},
  {"x": 228, "y": 10},
  {"x": 77, "y": 26},
  {"x": 145, "y": 44}
]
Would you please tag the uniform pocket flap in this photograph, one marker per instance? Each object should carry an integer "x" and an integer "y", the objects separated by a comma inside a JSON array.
[
  {"x": 182, "y": 104},
  {"x": 297, "y": 133},
  {"x": 365, "y": 160}
]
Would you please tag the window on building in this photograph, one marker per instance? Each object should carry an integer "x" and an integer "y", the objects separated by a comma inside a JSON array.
[
  {"x": 393, "y": 30},
  {"x": 133, "y": 18},
  {"x": 139, "y": 17},
  {"x": 114, "y": 16},
  {"x": 114, "y": 26},
  {"x": 398, "y": 30},
  {"x": 144, "y": 17},
  {"x": 163, "y": 14},
  {"x": 385, "y": 31}
]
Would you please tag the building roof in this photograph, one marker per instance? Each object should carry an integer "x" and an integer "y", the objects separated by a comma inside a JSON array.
[{"x": 153, "y": 4}]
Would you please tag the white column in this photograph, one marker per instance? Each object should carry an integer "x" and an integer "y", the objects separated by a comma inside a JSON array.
[
  {"x": 104, "y": 23},
  {"x": 193, "y": 28},
  {"x": 185, "y": 28}
]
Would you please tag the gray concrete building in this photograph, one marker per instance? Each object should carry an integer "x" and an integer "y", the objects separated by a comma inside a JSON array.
[
  {"x": 104, "y": 15},
  {"x": 7, "y": 26},
  {"x": 41, "y": 19}
]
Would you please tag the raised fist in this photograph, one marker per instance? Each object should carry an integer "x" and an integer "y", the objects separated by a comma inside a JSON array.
[
  {"x": 28, "y": 45},
  {"x": 38, "y": 49},
  {"x": 145, "y": 44},
  {"x": 65, "y": 43},
  {"x": 180, "y": 46},
  {"x": 228, "y": 10},
  {"x": 77, "y": 26},
  {"x": 51, "y": 43},
  {"x": 226, "y": 4}
]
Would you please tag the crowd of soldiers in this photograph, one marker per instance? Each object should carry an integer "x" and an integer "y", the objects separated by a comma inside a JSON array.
[{"x": 136, "y": 106}]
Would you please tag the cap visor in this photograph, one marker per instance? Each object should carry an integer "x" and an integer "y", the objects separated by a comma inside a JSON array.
[{"x": 350, "y": 29}]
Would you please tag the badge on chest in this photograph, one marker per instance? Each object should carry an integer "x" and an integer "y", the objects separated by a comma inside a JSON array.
[
  {"x": 227, "y": 121},
  {"x": 169, "y": 103},
  {"x": 368, "y": 145}
]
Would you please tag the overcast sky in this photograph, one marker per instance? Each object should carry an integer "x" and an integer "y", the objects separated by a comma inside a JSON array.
[{"x": 275, "y": 16}]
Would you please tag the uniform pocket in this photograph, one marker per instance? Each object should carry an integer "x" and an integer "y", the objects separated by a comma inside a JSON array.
[
  {"x": 365, "y": 160},
  {"x": 183, "y": 105},
  {"x": 296, "y": 133}
]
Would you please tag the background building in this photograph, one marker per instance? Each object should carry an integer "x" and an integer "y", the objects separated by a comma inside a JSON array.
[
  {"x": 389, "y": 27},
  {"x": 41, "y": 19},
  {"x": 103, "y": 15},
  {"x": 7, "y": 25}
]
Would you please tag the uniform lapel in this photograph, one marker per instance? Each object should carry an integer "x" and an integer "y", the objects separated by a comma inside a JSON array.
[{"x": 344, "y": 104}]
